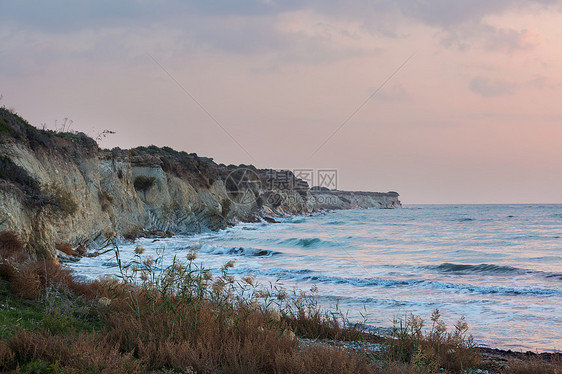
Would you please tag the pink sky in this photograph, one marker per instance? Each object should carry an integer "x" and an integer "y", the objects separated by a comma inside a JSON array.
[{"x": 475, "y": 116}]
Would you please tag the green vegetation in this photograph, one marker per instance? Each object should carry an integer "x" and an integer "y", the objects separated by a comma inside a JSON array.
[
  {"x": 11, "y": 172},
  {"x": 56, "y": 310},
  {"x": 4, "y": 129},
  {"x": 181, "y": 318},
  {"x": 14, "y": 126},
  {"x": 60, "y": 201},
  {"x": 50, "y": 196}
]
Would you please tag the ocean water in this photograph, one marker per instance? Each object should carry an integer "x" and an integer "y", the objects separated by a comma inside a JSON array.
[{"x": 500, "y": 266}]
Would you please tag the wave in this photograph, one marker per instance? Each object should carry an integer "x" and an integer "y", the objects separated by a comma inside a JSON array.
[
  {"x": 238, "y": 251},
  {"x": 554, "y": 275},
  {"x": 252, "y": 252},
  {"x": 309, "y": 276},
  {"x": 482, "y": 268},
  {"x": 308, "y": 242},
  {"x": 490, "y": 290},
  {"x": 335, "y": 223},
  {"x": 492, "y": 269}
]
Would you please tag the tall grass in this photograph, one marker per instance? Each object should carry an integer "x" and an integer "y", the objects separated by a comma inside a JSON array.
[
  {"x": 435, "y": 348},
  {"x": 182, "y": 317}
]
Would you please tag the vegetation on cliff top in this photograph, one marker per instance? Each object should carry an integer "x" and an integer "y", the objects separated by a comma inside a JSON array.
[{"x": 13, "y": 126}]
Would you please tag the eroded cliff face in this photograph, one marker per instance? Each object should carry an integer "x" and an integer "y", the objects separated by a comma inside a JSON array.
[{"x": 60, "y": 188}]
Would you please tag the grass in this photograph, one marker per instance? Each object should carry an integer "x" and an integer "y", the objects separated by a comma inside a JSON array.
[{"x": 182, "y": 318}]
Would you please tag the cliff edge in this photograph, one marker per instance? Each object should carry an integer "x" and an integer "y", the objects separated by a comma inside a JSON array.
[{"x": 61, "y": 190}]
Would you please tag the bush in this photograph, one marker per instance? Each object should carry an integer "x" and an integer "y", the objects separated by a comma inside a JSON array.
[
  {"x": 535, "y": 365},
  {"x": 453, "y": 351},
  {"x": 59, "y": 199},
  {"x": 17, "y": 175},
  {"x": 143, "y": 183},
  {"x": 11, "y": 246}
]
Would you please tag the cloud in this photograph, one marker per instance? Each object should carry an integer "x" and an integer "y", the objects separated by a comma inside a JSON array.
[
  {"x": 491, "y": 38},
  {"x": 450, "y": 14},
  {"x": 487, "y": 87},
  {"x": 315, "y": 31},
  {"x": 491, "y": 88},
  {"x": 67, "y": 14}
]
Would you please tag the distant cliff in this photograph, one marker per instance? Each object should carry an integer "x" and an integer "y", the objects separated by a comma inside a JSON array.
[{"x": 60, "y": 189}]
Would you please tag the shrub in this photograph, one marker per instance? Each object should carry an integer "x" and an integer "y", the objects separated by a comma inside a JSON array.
[
  {"x": 182, "y": 318},
  {"x": 10, "y": 245},
  {"x": 453, "y": 351},
  {"x": 6, "y": 354},
  {"x": 60, "y": 200},
  {"x": 17, "y": 175},
  {"x": 82, "y": 353},
  {"x": 25, "y": 282},
  {"x": 4, "y": 129},
  {"x": 143, "y": 183},
  {"x": 534, "y": 364}
]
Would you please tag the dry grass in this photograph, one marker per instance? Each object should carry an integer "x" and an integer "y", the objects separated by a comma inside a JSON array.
[
  {"x": 11, "y": 247},
  {"x": 434, "y": 349},
  {"x": 184, "y": 319},
  {"x": 76, "y": 354},
  {"x": 535, "y": 365}
]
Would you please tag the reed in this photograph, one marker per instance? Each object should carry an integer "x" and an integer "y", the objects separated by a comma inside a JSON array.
[{"x": 181, "y": 317}]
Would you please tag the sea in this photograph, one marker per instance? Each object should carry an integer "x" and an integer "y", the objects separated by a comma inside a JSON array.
[{"x": 499, "y": 266}]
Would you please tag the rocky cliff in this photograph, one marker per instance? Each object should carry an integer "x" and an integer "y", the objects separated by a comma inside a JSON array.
[{"x": 60, "y": 189}]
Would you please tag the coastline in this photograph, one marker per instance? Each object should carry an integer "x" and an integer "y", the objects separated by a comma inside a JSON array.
[
  {"x": 65, "y": 197},
  {"x": 63, "y": 191},
  {"x": 225, "y": 244}
]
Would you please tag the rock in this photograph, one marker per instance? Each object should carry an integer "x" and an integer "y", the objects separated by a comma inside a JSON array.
[
  {"x": 90, "y": 195},
  {"x": 63, "y": 257},
  {"x": 81, "y": 250},
  {"x": 65, "y": 248}
]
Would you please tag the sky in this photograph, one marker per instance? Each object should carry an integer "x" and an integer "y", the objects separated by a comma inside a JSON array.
[{"x": 442, "y": 101}]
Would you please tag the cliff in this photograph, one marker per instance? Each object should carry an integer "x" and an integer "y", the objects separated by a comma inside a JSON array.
[{"x": 60, "y": 189}]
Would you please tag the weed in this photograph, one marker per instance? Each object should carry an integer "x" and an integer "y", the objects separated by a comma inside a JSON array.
[
  {"x": 17, "y": 175},
  {"x": 437, "y": 348},
  {"x": 11, "y": 247},
  {"x": 535, "y": 365},
  {"x": 60, "y": 200},
  {"x": 178, "y": 316}
]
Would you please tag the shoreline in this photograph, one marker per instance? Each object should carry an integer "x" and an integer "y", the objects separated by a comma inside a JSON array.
[
  {"x": 490, "y": 350},
  {"x": 78, "y": 314}
]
